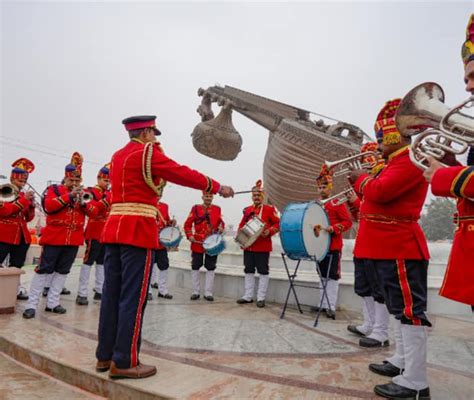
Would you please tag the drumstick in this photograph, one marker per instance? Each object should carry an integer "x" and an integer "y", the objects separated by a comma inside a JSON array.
[{"x": 243, "y": 191}]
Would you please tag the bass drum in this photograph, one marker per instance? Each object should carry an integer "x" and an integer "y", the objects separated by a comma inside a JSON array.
[{"x": 297, "y": 234}]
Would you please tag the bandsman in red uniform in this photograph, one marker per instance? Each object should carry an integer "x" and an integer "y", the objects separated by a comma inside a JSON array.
[
  {"x": 391, "y": 206},
  {"x": 60, "y": 238},
  {"x": 131, "y": 237},
  {"x": 204, "y": 220},
  {"x": 374, "y": 329},
  {"x": 458, "y": 182},
  {"x": 94, "y": 249},
  {"x": 340, "y": 221},
  {"x": 15, "y": 238},
  {"x": 160, "y": 280},
  {"x": 256, "y": 256}
]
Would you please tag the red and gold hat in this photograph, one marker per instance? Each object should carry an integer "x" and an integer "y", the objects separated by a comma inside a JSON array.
[
  {"x": 74, "y": 168},
  {"x": 21, "y": 168},
  {"x": 104, "y": 171},
  {"x": 324, "y": 177},
  {"x": 378, "y": 161},
  {"x": 385, "y": 127},
  {"x": 467, "y": 50},
  {"x": 258, "y": 187}
]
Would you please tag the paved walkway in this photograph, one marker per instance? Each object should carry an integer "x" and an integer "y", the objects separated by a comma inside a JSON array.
[{"x": 222, "y": 350}]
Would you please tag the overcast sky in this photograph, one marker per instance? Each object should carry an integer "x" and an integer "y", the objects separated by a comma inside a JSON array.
[{"x": 72, "y": 71}]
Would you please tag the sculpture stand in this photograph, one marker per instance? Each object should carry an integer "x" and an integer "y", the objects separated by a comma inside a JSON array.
[{"x": 321, "y": 286}]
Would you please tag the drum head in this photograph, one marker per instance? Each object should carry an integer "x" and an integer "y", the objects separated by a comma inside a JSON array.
[
  {"x": 169, "y": 234},
  {"x": 212, "y": 241},
  {"x": 316, "y": 246}
]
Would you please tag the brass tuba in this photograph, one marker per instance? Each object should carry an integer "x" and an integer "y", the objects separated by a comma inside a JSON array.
[
  {"x": 439, "y": 129},
  {"x": 8, "y": 193}
]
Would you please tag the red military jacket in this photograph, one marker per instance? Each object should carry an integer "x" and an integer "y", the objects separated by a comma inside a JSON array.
[
  {"x": 162, "y": 219},
  {"x": 65, "y": 218},
  {"x": 95, "y": 223},
  {"x": 458, "y": 182},
  {"x": 132, "y": 217},
  {"x": 13, "y": 219},
  {"x": 206, "y": 221},
  {"x": 340, "y": 221},
  {"x": 390, "y": 208},
  {"x": 270, "y": 217}
]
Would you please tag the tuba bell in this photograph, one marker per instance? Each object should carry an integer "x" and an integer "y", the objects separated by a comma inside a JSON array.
[
  {"x": 8, "y": 193},
  {"x": 439, "y": 129}
]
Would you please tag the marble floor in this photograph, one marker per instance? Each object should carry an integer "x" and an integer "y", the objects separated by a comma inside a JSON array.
[{"x": 221, "y": 350}]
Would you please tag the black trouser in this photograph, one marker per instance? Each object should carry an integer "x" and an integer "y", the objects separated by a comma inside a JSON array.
[
  {"x": 17, "y": 253},
  {"x": 256, "y": 261},
  {"x": 124, "y": 298},
  {"x": 332, "y": 261},
  {"x": 366, "y": 281},
  {"x": 56, "y": 259},
  {"x": 405, "y": 289},
  {"x": 198, "y": 259},
  {"x": 94, "y": 252},
  {"x": 161, "y": 259}
]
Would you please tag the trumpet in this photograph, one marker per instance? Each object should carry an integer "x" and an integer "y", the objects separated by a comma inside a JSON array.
[
  {"x": 348, "y": 164},
  {"x": 8, "y": 193},
  {"x": 443, "y": 130},
  {"x": 83, "y": 197},
  {"x": 340, "y": 198}
]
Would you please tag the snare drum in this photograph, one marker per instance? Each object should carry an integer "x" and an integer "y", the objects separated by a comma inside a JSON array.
[
  {"x": 296, "y": 231},
  {"x": 214, "y": 244},
  {"x": 170, "y": 237},
  {"x": 250, "y": 232}
]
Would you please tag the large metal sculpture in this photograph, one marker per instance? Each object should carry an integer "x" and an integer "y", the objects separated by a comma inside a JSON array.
[{"x": 297, "y": 146}]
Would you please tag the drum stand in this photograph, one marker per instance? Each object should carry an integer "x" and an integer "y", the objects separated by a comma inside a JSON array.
[{"x": 321, "y": 286}]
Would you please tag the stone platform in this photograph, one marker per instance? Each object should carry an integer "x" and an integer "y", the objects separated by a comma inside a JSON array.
[{"x": 219, "y": 350}]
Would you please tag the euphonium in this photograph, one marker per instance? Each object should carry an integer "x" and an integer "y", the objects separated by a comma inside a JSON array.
[
  {"x": 351, "y": 163},
  {"x": 439, "y": 129},
  {"x": 8, "y": 193}
]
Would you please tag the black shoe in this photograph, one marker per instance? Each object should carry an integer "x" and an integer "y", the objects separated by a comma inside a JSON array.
[
  {"x": 97, "y": 296},
  {"x": 353, "y": 329},
  {"x": 82, "y": 301},
  {"x": 65, "y": 291},
  {"x": 316, "y": 309},
  {"x": 149, "y": 297},
  {"x": 29, "y": 313},
  {"x": 385, "y": 369},
  {"x": 45, "y": 291},
  {"x": 195, "y": 297},
  {"x": 369, "y": 342},
  {"x": 57, "y": 310},
  {"x": 244, "y": 301},
  {"x": 261, "y": 303},
  {"x": 154, "y": 285},
  {"x": 209, "y": 298},
  {"x": 393, "y": 391},
  {"x": 331, "y": 314},
  {"x": 22, "y": 296},
  {"x": 165, "y": 296}
]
